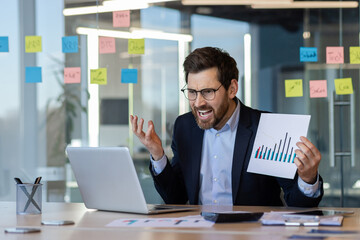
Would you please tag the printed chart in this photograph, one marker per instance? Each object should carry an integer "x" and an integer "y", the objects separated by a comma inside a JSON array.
[{"x": 275, "y": 144}]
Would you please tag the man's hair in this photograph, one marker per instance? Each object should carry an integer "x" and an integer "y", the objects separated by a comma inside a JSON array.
[{"x": 208, "y": 57}]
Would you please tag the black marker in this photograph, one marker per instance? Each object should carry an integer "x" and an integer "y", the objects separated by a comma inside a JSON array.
[{"x": 37, "y": 181}]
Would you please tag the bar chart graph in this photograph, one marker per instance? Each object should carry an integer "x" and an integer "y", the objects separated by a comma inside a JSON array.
[
  {"x": 280, "y": 152},
  {"x": 274, "y": 147}
]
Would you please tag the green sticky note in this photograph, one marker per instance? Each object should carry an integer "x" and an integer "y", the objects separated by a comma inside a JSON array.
[
  {"x": 293, "y": 88},
  {"x": 33, "y": 44},
  {"x": 136, "y": 46},
  {"x": 343, "y": 86},
  {"x": 98, "y": 76},
  {"x": 354, "y": 55}
]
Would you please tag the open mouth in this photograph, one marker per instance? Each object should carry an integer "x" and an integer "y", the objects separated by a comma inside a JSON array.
[{"x": 204, "y": 114}]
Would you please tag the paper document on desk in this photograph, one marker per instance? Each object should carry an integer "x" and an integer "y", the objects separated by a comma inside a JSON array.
[
  {"x": 277, "y": 218},
  {"x": 195, "y": 221},
  {"x": 275, "y": 144}
]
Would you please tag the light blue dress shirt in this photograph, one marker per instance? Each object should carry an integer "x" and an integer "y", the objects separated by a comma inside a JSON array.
[{"x": 216, "y": 164}]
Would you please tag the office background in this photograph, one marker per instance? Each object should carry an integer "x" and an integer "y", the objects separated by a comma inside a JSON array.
[{"x": 38, "y": 120}]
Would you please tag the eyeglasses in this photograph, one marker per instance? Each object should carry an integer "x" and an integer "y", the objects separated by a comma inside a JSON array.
[{"x": 207, "y": 93}]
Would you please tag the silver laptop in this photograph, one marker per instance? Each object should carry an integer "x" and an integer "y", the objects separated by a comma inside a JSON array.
[{"x": 107, "y": 180}]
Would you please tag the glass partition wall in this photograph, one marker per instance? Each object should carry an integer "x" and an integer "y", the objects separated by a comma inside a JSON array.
[{"x": 40, "y": 119}]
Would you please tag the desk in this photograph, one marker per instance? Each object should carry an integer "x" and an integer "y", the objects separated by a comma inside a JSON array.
[{"x": 90, "y": 225}]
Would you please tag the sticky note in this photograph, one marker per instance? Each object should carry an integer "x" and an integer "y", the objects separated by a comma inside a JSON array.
[
  {"x": 33, "y": 74},
  {"x": 136, "y": 46},
  {"x": 354, "y": 55},
  {"x": 318, "y": 88},
  {"x": 98, "y": 76},
  {"x": 293, "y": 88},
  {"x": 70, "y": 44},
  {"x": 308, "y": 54},
  {"x": 334, "y": 55},
  {"x": 4, "y": 44},
  {"x": 343, "y": 86},
  {"x": 106, "y": 45},
  {"x": 33, "y": 44},
  {"x": 72, "y": 75},
  {"x": 121, "y": 18},
  {"x": 129, "y": 75}
]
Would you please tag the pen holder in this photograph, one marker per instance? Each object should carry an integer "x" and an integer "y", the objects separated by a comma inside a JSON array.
[{"x": 28, "y": 198}]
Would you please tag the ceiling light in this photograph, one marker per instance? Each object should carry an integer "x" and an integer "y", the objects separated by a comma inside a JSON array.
[
  {"x": 106, "y": 7},
  {"x": 136, "y": 33},
  {"x": 308, "y": 4},
  {"x": 232, "y": 2}
]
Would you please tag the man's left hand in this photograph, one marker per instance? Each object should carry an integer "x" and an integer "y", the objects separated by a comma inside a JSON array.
[{"x": 307, "y": 160}]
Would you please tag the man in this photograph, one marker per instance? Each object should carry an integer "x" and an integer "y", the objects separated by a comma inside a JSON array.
[{"x": 212, "y": 146}]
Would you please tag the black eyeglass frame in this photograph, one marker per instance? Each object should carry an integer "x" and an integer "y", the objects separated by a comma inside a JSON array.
[{"x": 201, "y": 92}]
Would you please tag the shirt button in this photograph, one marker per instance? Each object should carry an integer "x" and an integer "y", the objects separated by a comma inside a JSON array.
[
  {"x": 217, "y": 134},
  {"x": 215, "y": 179},
  {"x": 215, "y": 201},
  {"x": 215, "y": 156}
]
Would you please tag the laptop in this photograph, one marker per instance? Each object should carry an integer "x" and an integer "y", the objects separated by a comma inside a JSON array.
[{"x": 108, "y": 181}]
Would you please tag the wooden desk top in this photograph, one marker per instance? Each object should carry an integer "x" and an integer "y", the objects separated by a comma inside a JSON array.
[{"x": 90, "y": 224}]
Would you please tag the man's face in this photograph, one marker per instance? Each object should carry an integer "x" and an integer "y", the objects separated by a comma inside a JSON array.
[{"x": 209, "y": 113}]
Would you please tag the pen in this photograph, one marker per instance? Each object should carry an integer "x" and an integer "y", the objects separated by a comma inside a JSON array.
[
  {"x": 37, "y": 181},
  {"x": 18, "y": 181}
]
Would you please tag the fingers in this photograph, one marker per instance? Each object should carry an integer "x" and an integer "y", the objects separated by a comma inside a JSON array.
[
  {"x": 150, "y": 130},
  {"x": 137, "y": 128},
  {"x": 133, "y": 121},
  {"x": 307, "y": 159},
  {"x": 307, "y": 152}
]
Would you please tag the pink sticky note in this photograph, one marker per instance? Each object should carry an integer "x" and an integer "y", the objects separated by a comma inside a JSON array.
[
  {"x": 318, "y": 88},
  {"x": 72, "y": 75},
  {"x": 334, "y": 54},
  {"x": 121, "y": 18},
  {"x": 107, "y": 45}
]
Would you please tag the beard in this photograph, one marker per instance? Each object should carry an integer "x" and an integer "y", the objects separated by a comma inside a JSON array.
[{"x": 218, "y": 115}]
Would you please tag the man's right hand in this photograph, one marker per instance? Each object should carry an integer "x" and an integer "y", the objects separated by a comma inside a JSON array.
[{"x": 150, "y": 139}]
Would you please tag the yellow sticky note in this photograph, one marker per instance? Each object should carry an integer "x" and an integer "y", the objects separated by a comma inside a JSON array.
[
  {"x": 293, "y": 88},
  {"x": 354, "y": 55},
  {"x": 33, "y": 44},
  {"x": 136, "y": 46},
  {"x": 343, "y": 86},
  {"x": 98, "y": 76}
]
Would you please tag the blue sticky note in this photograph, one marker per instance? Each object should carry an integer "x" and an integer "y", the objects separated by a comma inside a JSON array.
[
  {"x": 33, "y": 74},
  {"x": 70, "y": 44},
  {"x": 308, "y": 54},
  {"x": 129, "y": 75},
  {"x": 4, "y": 44}
]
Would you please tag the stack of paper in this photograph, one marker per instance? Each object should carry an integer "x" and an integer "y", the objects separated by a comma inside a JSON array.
[{"x": 278, "y": 218}]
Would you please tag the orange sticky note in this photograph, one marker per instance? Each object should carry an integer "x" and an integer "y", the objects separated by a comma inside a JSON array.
[
  {"x": 72, "y": 75},
  {"x": 318, "y": 88},
  {"x": 121, "y": 18},
  {"x": 136, "y": 46},
  {"x": 98, "y": 76},
  {"x": 334, "y": 55},
  {"x": 343, "y": 86},
  {"x": 33, "y": 44},
  {"x": 293, "y": 88},
  {"x": 107, "y": 45}
]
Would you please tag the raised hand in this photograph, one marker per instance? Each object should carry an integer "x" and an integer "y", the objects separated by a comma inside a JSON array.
[{"x": 150, "y": 139}]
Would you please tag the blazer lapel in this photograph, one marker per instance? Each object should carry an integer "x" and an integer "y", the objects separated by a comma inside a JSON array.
[
  {"x": 195, "y": 162},
  {"x": 243, "y": 137}
]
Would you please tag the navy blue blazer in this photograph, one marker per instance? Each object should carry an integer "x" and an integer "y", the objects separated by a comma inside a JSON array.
[{"x": 179, "y": 183}]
